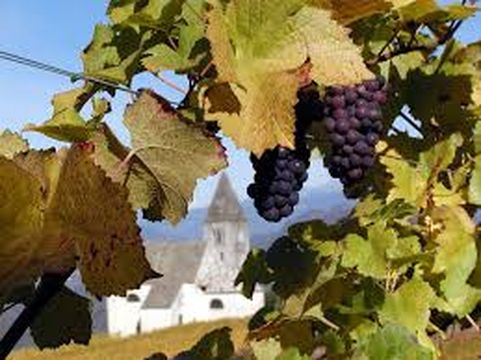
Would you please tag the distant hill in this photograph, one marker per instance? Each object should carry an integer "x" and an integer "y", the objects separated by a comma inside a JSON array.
[{"x": 326, "y": 204}]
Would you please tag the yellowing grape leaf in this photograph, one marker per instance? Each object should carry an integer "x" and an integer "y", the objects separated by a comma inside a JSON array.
[
  {"x": 21, "y": 219},
  {"x": 260, "y": 47},
  {"x": 94, "y": 212},
  {"x": 346, "y": 11},
  {"x": 66, "y": 123},
  {"x": 169, "y": 156},
  {"x": 11, "y": 144},
  {"x": 416, "y": 181},
  {"x": 109, "y": 155},
  {"x": 266, "y": 118}
]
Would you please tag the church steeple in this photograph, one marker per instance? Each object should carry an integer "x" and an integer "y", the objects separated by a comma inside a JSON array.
[
  {"x": 227, "y": 240},
  {"x": 225, "y": 205}
]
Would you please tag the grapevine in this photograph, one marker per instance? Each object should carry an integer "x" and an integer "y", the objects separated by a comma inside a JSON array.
[{"x": 286, "y": 81}]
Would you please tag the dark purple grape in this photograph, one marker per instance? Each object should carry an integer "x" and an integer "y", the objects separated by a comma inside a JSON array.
[
  {"x": 281, "y": 164},
  {"x": 347, "y": 149},
  {"x": 303, "y": 178},
  {"x": 380, "y": 97},
  {"x": 286, "y": 210},
  {"x": 373, "y": 85},
  {"x": 336, "y": 160},
  {"x": 340, "y": 114},
  {"x": 337, "y": 140},
  {"x": 374, "y": 114},
  {"x": 338, "y": 102},
  {"x": 329, "y": 124},
  {"x": 286, "y": 175},
  {"x": 268, "y": 203},
  {"x": 293, "y": 199},
  {"x": 252, "y": 190},
  {"x": 297, "y": 167},
  {"x": 283, "y": 152},
  {"x": 372, "y": 138},
  {"x": 342, "y": 127},
  {"x": 280, "y": 200},
  {"x": 362, "y": 112},
  {"x": 366, "y": 124},
  {"x": 345, "y": 163},
  {"x": 272, "y": 214},
  {"x": 284, "y": 187},
  {"x": 354, "y": 123},
  {"x": 377, "y": 126},
  {"x": 351, "y": 96},
  {"x": 362, "y": 148},
  {"x": 355, "y": 174},
  {"x": 368, "y": 161},
  {"x": 353, "y": 137},
  {"x": 355, "y": 160}
]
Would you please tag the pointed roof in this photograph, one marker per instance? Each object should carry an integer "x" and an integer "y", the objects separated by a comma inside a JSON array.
[{"x": 225, "y": 205}]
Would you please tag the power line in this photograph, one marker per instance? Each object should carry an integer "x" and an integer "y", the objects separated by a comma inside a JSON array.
[{"x": 7, "y": 56}]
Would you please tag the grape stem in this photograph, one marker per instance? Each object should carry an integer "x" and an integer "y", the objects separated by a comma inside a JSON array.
[
  {"x": 49, "y": 286},
  {"x": 412, "y": 47}
]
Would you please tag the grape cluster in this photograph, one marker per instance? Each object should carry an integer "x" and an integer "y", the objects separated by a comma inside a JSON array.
[
  {"x": 280, "y": 173},
  {"x": 353, "y": 121}
]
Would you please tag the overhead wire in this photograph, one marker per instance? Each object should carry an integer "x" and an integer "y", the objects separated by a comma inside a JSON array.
[{"x": 74, "y": 76}]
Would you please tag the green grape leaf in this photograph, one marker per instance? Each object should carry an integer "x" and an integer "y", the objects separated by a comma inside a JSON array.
[
  {"x": 347, "y": 12},
  {"x": 448, "y": 96},
  {"x": 415, "y": 182},
  {"x": 409, "y": 306},
  {"x": 182, "y": 57},
  {"x": 215, "y": 345},
  {"x": 121, "y": 10},
  {"x": 65, "y": 318},
  {"x": 66, "y": 123},
  {"x": 254, "y": 270},
  {"x": 292, "y": 354},
  {"x": 393, "y": 342},
  {"x": 154, "y": 14},
  {"x": 173, "y": 153},
  {"x": 369, "y": 256},
  {"x": 114, "y": 55},
  {"x": 260, "y": 47},
  {"x": 11, "y": 144},
  {"x": 94, "y": 212},
  {"x": 456, "y": 257},
  {"x": 267, "y": 349}
]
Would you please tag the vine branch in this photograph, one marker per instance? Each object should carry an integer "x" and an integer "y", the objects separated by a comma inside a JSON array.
[
  {"x": 411, "y": 47},
  {"x": 49, "y": 286}
]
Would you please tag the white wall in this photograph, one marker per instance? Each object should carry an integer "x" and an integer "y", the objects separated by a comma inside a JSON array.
[
  {"x": 194, "y": 305},
  {"x": 155, "y": 319},
  {"x": 122, "y": 316}
]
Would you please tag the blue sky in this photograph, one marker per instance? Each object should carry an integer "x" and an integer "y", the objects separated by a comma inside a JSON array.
[{"x": 55, "y": 31}]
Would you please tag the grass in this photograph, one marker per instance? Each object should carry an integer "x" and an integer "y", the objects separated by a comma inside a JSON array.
[
  {"x": 464, "y": 346},
  {"x": 170, "y": 341}
]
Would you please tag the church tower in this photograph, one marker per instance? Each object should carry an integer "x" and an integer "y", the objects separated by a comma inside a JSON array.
[{"x": 227, "y": 240}]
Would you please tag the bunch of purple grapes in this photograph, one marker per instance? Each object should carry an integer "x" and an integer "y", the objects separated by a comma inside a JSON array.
[
  {"x": 353, "y": 120},
  {"x": 280, "y": 173}
]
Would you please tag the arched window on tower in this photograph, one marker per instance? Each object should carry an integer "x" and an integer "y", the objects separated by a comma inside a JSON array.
[
  {"x": 133, "y": 298},
  {"x": 216, "y": 304}
]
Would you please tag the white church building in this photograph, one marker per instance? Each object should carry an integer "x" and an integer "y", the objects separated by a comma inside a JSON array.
[{"x": 198, "y": 281}]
